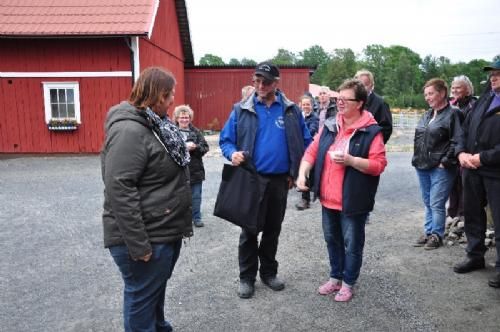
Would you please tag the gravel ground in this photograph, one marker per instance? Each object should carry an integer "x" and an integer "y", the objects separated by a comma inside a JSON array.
[{"x": 56, "y": 276}]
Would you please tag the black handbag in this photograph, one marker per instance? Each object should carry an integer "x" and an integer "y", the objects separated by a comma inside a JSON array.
[{"x": 240, "y": 196}]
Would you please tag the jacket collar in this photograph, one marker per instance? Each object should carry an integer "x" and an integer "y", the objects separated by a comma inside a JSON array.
[{"x": 249, "y": 105}]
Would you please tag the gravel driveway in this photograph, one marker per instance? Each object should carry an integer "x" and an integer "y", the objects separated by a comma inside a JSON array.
[{"x": 56, "y": 276}]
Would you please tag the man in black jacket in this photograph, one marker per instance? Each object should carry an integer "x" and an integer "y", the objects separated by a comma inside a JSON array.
[
  {"x": 479, "y": 154},
  {"x": 375, "y": 104}
]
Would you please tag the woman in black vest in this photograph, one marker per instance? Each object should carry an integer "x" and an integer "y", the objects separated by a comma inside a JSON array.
[{"x": 348, "y": 158}]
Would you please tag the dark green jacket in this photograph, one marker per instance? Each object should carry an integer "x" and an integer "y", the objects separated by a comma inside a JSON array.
[{"x": 147, "y": 197}]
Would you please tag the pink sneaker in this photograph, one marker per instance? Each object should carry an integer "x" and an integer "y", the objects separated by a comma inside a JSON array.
[
  {"x": 344, "y": 295},
  {"x": 328, "y": 288}
]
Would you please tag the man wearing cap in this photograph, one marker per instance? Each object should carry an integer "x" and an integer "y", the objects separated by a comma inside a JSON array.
[
  {"x": 270, "y": 130},
  {"x": 479, "y": 154}
]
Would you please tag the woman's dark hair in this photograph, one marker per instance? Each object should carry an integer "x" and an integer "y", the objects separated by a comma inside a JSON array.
[
  {"x": 360, "y": 93},
  {"x": 438, "y": 84},
  {"x": 152, "y": 84}
]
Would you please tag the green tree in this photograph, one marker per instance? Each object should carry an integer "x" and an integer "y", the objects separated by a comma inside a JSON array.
[
  {"x": 248, "y": 62},
  {"x": 315, "y": 56},
  {"x": 373, "y": 59},
  {"x": 341, "y": 66},
  {"x": 284, "y": 57},
  {"x": 211, "y": 60},
  {"x": 234, "y": 62}
]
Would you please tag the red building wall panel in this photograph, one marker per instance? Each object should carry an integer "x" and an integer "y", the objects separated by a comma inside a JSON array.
[
  {"x": 151, "y": 55},
  {"x": 22, "y": 115},
  {"x": 164, "y": 49},
  {"x": 55, "y": 55},
  {"x": 211, "y": 93},
  {"x": 166, "y": 34}
]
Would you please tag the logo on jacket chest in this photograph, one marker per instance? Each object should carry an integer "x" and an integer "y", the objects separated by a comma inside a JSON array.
[{"x": 280, "y": 122}]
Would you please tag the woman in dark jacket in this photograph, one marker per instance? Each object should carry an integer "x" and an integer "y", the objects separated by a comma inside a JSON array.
[
  {"x": 312, "y": 123},
  {"x": 462, "y": 92},
  {"x": 147, "y": 199},
  {"x": 198, "y": 147},
  {"x": 436, "y": 136}
]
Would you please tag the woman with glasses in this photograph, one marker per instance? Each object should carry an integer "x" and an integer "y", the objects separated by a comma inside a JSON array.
[
  {"x": 197, "y": 147},
  {"x": 436, "y": 136},
  {"x": 348, "y": 156}
]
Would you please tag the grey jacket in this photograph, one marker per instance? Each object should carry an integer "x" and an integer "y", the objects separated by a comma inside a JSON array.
[{"x": 147, "y": 196}]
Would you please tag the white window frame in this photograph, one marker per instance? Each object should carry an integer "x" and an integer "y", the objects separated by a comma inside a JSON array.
[{"x": 75, "y": 86}]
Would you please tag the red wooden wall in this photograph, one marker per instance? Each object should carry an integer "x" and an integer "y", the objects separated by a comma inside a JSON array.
[
  {"x": 22, "y": 115},
  {"x": 211, "y": 92},
  {"x": 164, "y": 49}
]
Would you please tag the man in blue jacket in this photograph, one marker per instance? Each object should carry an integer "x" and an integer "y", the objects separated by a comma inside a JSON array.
[
  {"x": 479, "y": 154},
  {"x": 270, "y": 130}
]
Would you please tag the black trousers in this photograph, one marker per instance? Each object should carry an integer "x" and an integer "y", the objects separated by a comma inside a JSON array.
[
  {"x": 456, "y": 200},
  {"x": 272, "y": 213},
  {"x": 478, "y": 191}
]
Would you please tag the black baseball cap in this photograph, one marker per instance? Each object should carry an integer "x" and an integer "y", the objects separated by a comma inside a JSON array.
[
  {"x": 493, "y": 66},
  {"x": 268, "y": 71}
]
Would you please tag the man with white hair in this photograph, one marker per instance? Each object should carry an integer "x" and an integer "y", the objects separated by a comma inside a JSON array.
[{"x": 327, "y": 108}]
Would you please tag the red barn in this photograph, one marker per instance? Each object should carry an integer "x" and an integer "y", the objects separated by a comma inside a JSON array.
[
  {"x": 212, "y": 91},
  {"x": 64, "y": 63}
]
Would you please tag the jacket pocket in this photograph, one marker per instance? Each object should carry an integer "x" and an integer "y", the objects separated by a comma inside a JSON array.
[{"x": 164, "y": 210}]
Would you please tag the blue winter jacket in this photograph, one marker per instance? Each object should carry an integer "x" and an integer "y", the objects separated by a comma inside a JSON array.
[{"x": 240, "y": 131}]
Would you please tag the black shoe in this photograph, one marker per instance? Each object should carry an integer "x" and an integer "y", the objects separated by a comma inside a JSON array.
[
  {"x": 495, "y": 281},
  {"x": 246, "y": 289},
  {"x": 273, "y": 282},
  {"x": 302, "y": 205},
  {"x": 469, "y": 264}
]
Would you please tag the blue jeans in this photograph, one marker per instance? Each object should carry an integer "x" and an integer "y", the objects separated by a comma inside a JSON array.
[
  {"x": 345, "y": 240},
  {"x": 196, "y": 197},
  {"x": 145, "y": 283},
  {"x": 435, "y": 185}
]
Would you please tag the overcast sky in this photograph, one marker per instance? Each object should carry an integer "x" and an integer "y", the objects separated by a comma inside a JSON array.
[{"x": 460, "y": 30}]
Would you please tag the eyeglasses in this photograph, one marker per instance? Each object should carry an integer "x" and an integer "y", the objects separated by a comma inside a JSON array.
[
  {"x": 263, "y": 81},
  {"x": 344, "y": 100}
]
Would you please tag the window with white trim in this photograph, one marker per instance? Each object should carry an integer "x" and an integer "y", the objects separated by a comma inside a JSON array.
[{"x": 62, "y": 101}]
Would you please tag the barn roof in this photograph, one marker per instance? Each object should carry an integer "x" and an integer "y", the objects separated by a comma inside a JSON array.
[{"x": 77, "y": 18}]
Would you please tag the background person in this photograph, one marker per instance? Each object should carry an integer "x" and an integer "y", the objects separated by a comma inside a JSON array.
[
  {"x": 376, "y": 104},
  {"x": 271, "y": 129},
  {"x": 462, "y": 92},
  {"x": 436, "y": 135},
  {"x": 247, "y": 91},
  {"x": 197, "y": 147},
  {"x": 312, "y": 123},
  {"x": 144, "y": 168},
  {"x": 326, "y": 107},
  {"x": 479, "y": 154},
  {"x": 348, "y": 156}
]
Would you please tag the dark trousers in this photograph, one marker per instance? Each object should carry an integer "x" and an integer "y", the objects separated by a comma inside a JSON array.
[
  {"x": 306, "y": 195},
  {"x": 145, "y": 284},
  {"x": 478, "y": 191},
  {"x": 272, "y": 213},
  {"x": 456, "y": 199}
]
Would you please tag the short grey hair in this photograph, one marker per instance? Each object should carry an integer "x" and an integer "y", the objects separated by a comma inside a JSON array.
[
  {"x": 183, "y": 109},
  {"x": 465, "y": 81},
  {"x": 367, "y": 73}
]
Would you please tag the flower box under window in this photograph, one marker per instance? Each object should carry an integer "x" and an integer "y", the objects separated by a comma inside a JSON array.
[{"x": 62, "y": 124}]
